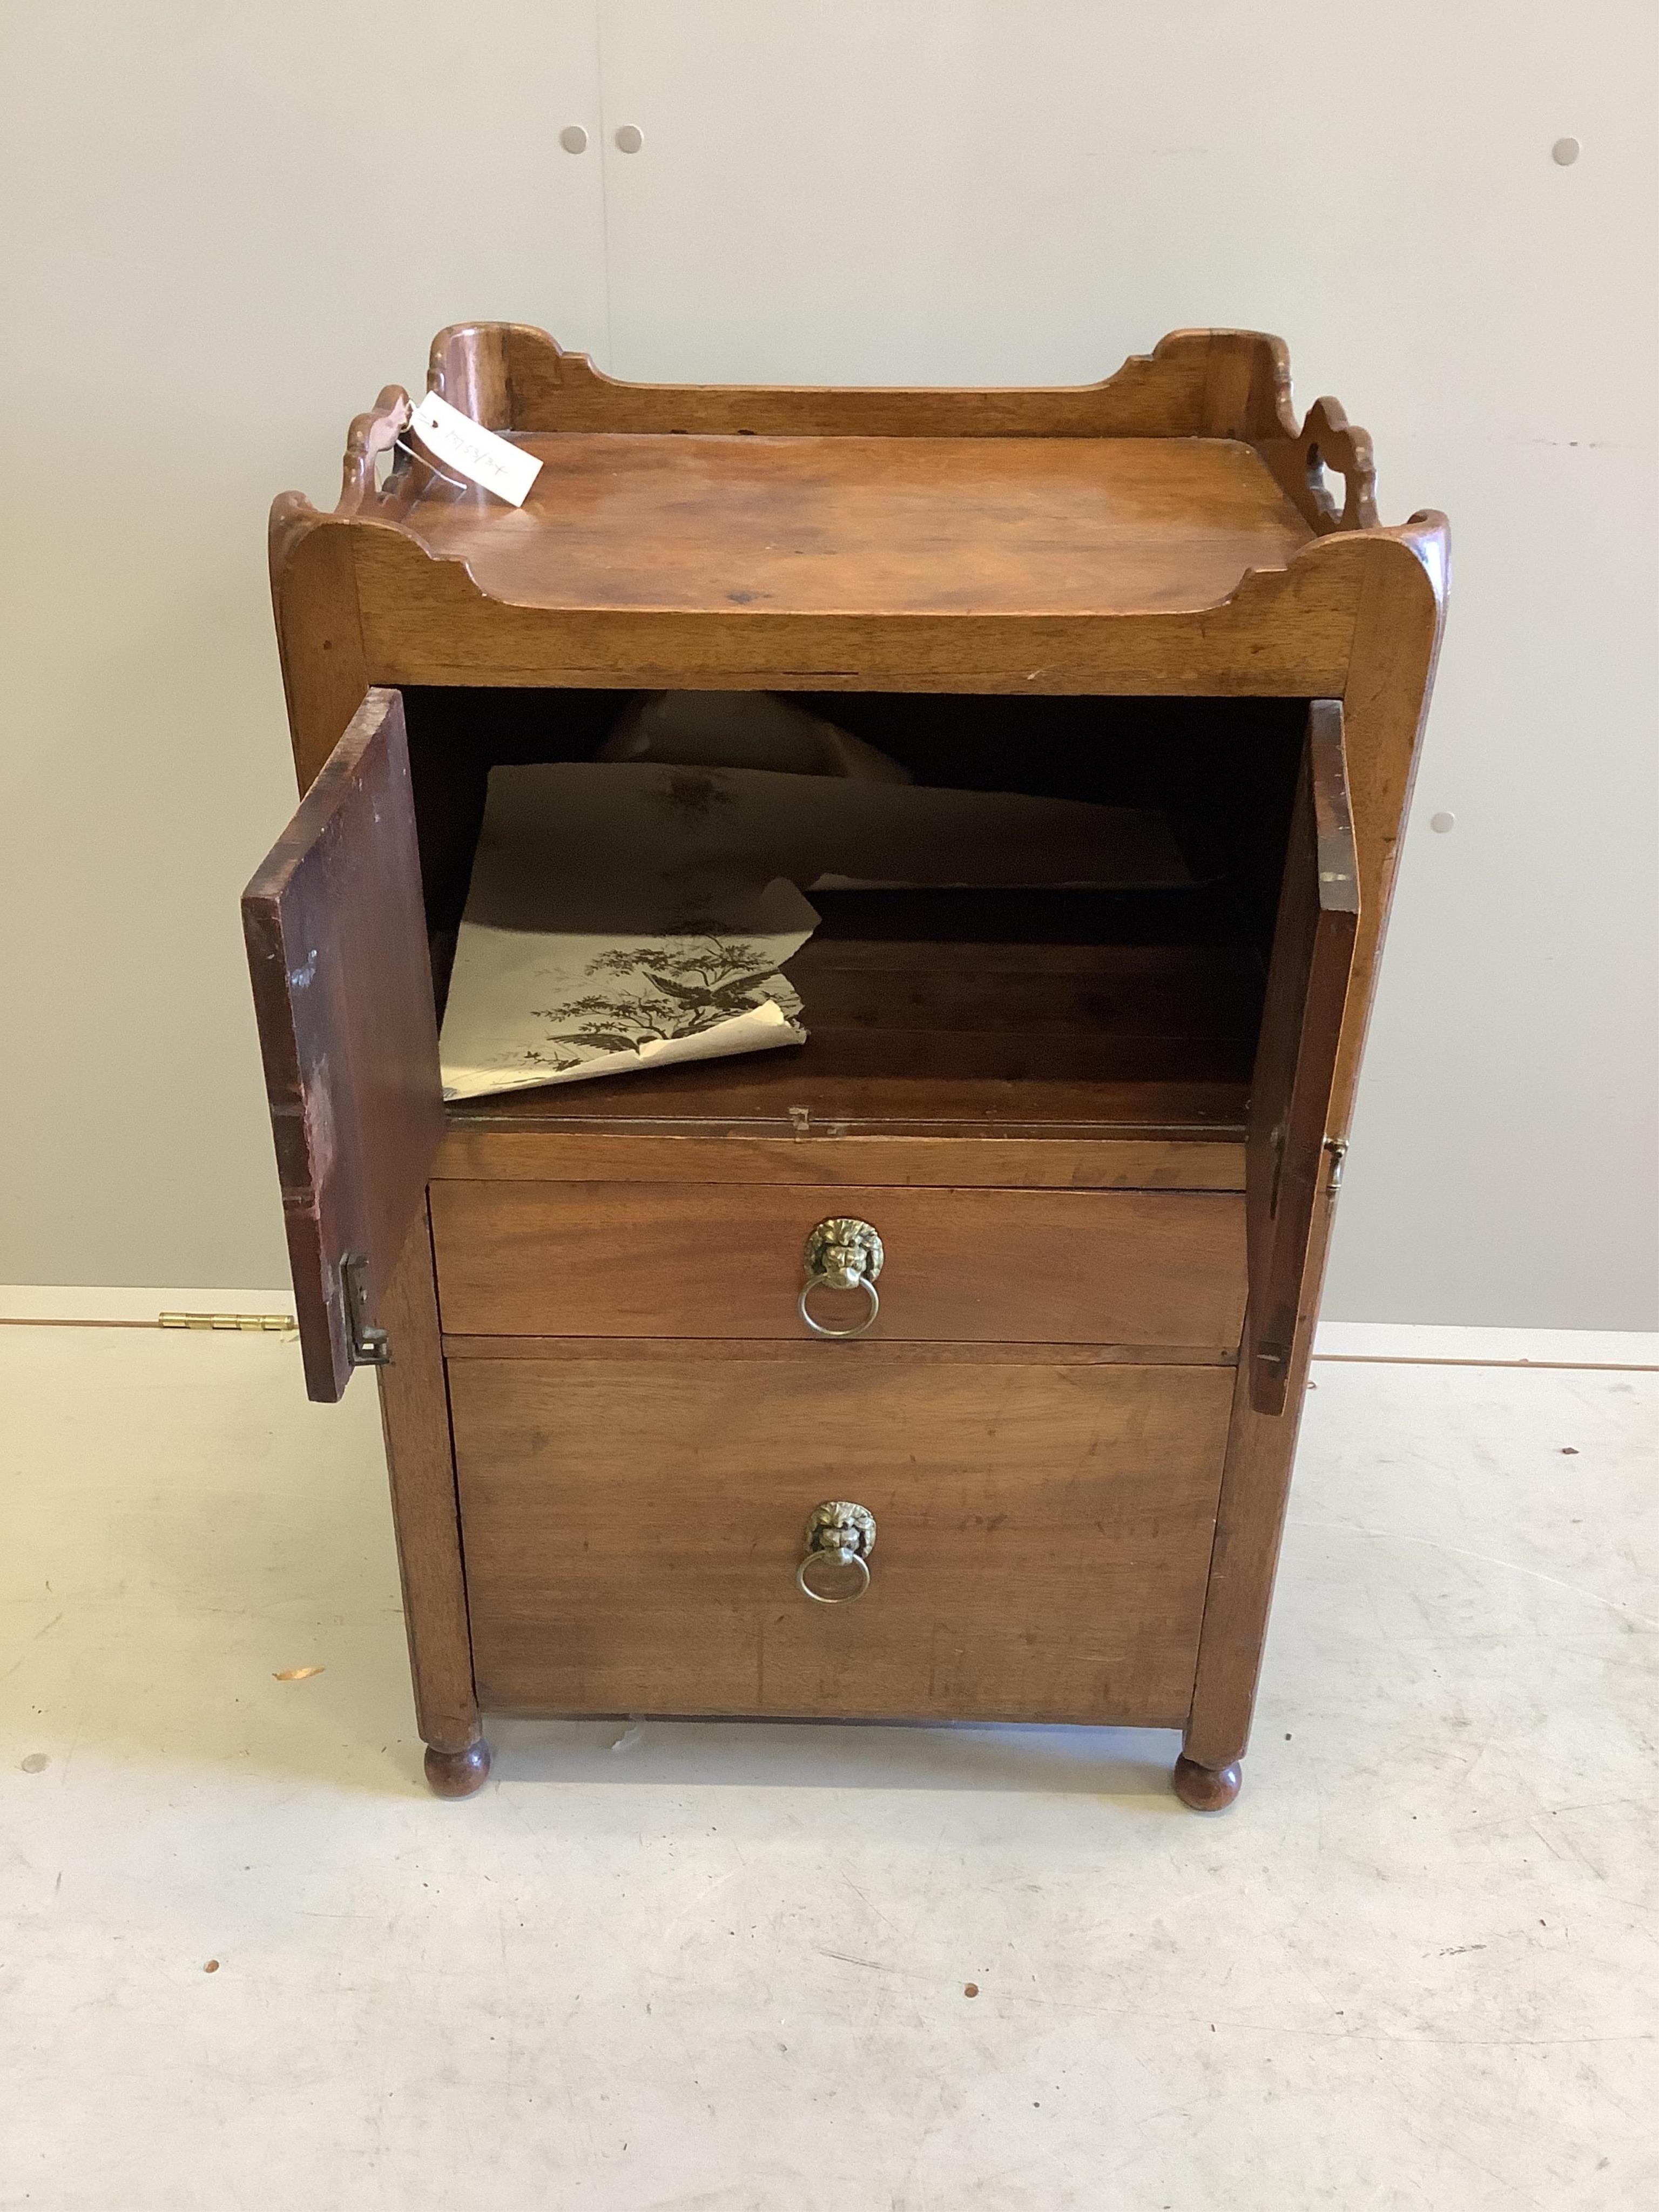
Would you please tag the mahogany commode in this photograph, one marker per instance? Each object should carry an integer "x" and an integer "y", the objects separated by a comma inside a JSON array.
[{"x": 1092, "y": 1138}]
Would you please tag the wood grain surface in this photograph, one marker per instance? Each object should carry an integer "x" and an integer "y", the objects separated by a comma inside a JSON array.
[
  {"x": 1285, "y": 630},
  {"x": 1291, "y": 1100},
  {"x": 410, "y": 618},
  {"x": 664, "y": 1259},
  {"x": 1401, "y": 619},
  {"x": 1249, "y": 1525},
  {"x": 1042, "y": 1536},
  {"x": 336, "y": 932},
  {"x": 320, "y": 632},
  {"x": 827, "y": 525},
  {"x": 479, "y": 1146},
  {"x": 420, "y": 1463},
  {"x": 357, "y": 595},
  {"x": 1343, "y": 610},
  {"x": 1194, "y": 383},
  {"x": 859, "y": 1352},
  {"x": 755, "y": 1095},
  {"x": 960, "y": 1038}
]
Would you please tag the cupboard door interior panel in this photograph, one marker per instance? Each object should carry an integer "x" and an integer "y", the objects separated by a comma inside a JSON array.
[
  {"x": 1296, "y": 1060},
  {"x": 336, "y": 932}
]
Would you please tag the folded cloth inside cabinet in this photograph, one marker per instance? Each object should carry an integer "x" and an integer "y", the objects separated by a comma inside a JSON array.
[{"x": 624, "y": 915}]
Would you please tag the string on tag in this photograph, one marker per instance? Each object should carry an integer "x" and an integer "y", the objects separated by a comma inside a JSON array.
[
  {"x": 415, "y": 454},
  {"x": 478, "y": 453}
]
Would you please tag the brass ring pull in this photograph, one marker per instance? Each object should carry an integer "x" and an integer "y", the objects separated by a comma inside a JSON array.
[
  {"x": 841, "y": 1255},
  {"x": 838, "y": 1534},
  {"x": 822, "y": 1329},
  {"x": 838, "y": 1597}
]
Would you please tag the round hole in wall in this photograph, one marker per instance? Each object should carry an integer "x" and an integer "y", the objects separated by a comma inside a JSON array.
[
  {"x": 573, "y": 138},
  {"x": 1565, "y": 152},
  {"x": 1441, "y": 821}
]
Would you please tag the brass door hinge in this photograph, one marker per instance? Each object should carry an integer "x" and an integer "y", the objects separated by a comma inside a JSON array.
[
  {"x": 370, "y": 1345},
  {"x": 1337, "y": 1147},
  {"x": 248, "y": 1324}
]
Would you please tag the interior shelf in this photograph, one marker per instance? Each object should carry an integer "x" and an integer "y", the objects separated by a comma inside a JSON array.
[
  {"x": 962, "y": 1038},
  {"x": 1031, "y": 1013}
]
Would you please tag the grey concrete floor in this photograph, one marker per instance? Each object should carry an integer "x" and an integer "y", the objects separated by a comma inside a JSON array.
[{"x": 246, "y": 1960}]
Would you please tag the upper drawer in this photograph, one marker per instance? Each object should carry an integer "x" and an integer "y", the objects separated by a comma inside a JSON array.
[{"x": 1163, "y": 1268}]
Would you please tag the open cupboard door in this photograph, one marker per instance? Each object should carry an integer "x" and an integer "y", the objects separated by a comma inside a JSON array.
[
  {"x": 1296, "y": 1058},
  {"x": 337, "y": 943}
]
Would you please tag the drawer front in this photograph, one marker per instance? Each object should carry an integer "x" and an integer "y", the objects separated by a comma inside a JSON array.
[
  {"x": 633, "y": 1528},
  {"x": 1155, "y": 1268}
]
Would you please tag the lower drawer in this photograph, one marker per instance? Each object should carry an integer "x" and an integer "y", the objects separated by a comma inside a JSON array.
[{"x": 633, "y": 1527}]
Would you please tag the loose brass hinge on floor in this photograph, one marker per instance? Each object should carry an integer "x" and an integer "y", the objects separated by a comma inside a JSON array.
[{"x": 248, "y": 1324}]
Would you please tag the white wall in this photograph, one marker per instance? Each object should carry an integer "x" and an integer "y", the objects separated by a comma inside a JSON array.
[
  {"x": 226, "y": 228},
  {"x": 229, "y": 266}
]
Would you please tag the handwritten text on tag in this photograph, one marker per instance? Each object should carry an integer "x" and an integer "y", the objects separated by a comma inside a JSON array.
[{"x": 477, "y": 453}]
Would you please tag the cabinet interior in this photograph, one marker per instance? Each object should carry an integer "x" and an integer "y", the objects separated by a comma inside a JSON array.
[{"x": 998, "y": 1011}]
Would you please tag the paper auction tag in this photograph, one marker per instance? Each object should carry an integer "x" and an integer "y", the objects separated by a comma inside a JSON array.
[{"x": 456, "y": 438}]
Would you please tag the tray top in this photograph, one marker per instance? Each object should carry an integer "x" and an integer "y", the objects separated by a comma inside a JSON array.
[{"x": 845, "y": 525}]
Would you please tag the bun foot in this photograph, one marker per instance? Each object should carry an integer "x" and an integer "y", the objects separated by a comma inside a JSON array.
[
  {"x": 458, "y": 1773},
  {"x": 1205, "y": 1789}
]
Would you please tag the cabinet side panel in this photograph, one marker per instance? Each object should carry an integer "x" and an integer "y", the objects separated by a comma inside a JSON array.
[
  {"x": 1249, "y": 1523},
  {"x": 1385, "y": 703},
  {"x": 1296, "y": 1059},
  {"x": 420, "y": 1463},
  {"x": 314, "y": 594}
]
